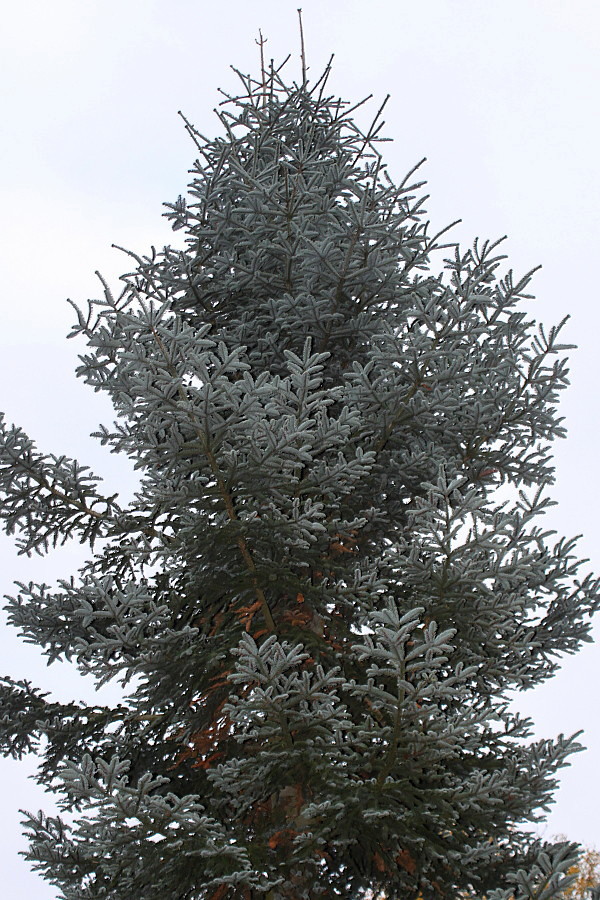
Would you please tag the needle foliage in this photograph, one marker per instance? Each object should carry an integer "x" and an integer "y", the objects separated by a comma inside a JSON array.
[{"x": 319, "y": 600}]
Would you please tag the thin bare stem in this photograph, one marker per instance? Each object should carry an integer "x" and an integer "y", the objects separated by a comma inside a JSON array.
[
  {"x": 261, "y": 43},
  {"x": 302, "y": 51},
  {"x": 193, "y": 132}
]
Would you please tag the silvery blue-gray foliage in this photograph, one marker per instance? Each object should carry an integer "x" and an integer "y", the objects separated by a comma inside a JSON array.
[{"x": 318, "y": 600}]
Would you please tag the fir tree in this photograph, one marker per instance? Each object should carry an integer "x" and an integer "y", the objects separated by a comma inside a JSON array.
[{"x": 318, "y": 601}]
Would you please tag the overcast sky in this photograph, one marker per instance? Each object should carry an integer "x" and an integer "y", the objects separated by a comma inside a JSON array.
[{"x": 501, "y": 96}]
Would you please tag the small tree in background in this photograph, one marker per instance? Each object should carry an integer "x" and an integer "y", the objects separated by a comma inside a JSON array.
[
  {"x": 587, "y": 875},
  {"x": 317, "y": 599}
]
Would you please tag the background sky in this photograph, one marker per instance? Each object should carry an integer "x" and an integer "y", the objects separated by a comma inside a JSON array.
[{"x": 501, "y": 97}]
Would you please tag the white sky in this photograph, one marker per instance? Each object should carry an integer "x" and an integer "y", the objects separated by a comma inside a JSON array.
[{"x": 502, "y": 97}]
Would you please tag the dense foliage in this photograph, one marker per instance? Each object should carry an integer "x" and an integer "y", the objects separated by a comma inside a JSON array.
[{"x": 318, "y": 600}]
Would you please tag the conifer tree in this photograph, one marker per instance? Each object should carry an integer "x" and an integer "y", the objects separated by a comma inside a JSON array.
[{"x": 318, "y": 601}]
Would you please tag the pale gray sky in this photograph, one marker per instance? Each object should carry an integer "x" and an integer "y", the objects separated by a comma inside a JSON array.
[{"x": 502, "y": 97}]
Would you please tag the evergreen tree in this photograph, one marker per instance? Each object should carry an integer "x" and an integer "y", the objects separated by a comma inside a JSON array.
[{"x": 317, "y": 600}]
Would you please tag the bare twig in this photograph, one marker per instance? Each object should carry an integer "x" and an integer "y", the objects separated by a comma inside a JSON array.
[
  {"x": 302, "y": 52},
  {"x": 261, "y": 43},
  {"x": 194, "y": 134}
]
